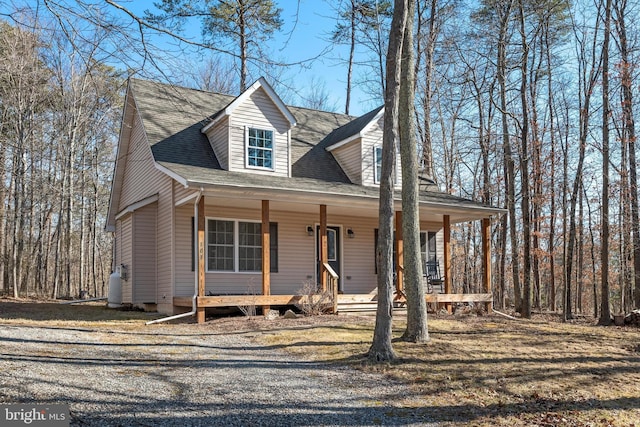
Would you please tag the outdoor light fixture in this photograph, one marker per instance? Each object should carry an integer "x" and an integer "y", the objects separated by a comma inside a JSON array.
[
  {"x": 309, "y": 230},
  {"x": 350, "y": 233}
]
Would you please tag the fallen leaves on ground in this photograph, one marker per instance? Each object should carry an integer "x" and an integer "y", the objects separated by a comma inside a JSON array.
[{"x": 490, "y": 371}]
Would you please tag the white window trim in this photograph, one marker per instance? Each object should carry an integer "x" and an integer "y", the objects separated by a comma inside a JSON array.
[
  {"x": 376, "y": 180},
  {"x": 273, "y": 148},
  {"x": 395, "y": 167},
  {"x": 236, "y": 245}
]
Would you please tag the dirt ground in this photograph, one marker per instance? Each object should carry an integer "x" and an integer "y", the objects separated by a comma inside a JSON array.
[
  {"x": 475, "y": 370},
  {"x": 112, "y": 370},
  {"x": 493, "y": 371}
]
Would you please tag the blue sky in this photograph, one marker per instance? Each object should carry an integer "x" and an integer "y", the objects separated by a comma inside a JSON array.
[{"x": 304, "y": 35}]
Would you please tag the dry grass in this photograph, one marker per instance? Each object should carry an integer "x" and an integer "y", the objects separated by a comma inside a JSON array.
[
  {"x": 490, "y": 371},
  {"x": 48, "y": 313},
  {"x": 475, "y": 371}
]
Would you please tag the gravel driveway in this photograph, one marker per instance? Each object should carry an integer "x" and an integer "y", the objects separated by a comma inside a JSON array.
[{"x": 184, "y": 375}]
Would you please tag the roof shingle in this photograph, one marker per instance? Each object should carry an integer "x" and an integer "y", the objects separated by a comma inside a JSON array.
[{"x": 173, "y": 118}]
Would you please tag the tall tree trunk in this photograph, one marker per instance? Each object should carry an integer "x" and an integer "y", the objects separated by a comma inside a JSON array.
[
  {"x": 3, "y": 242},
  {"x": 502, "y": 274},
  {"x": 629, "y": 133},
  {"x": 537, "y": 196},
  {"x": 416, "y": 330},
  {"x": 552, "y": 178},
  {"x": 244, "y": 45},
  {"x": 352, "y": 50},
  {"x": 580, "y": 261},
  {"x": 504, "y": 10},
  {"x": 524, "y": 171},
  {"x": 381, "y": 348},
  {"x": 605, "y": 310},
  {"x": 566, "y": 226},
  {"x": 432, "y": 35},
  {"x": 587, "y": 82}
]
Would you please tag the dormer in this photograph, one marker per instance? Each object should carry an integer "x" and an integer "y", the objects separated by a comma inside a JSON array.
[
  {"x": 357, "y": 147},
  {"x": 253, "y": 133}
]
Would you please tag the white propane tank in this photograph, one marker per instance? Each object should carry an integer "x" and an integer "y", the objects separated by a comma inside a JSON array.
[{"x": 115, "y": 291}]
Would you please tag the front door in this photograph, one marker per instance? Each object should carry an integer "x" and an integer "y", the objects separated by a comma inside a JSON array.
[{"x": 333, "y": 252}]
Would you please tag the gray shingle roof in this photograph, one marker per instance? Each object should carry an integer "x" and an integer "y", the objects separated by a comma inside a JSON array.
[
  {"x": 352, "y": 128},
  {"x": 174, "y": 116}
]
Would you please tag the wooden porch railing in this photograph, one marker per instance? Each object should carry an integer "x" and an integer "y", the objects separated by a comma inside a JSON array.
[{"x": 332, "y": 285}]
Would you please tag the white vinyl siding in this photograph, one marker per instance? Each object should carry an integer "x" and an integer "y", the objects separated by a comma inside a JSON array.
[
  {"x": 296, "y": 253},
  {"x": 164, "y": 238},
  {"x": 259, "y": 112},
  {"x": 143, "y": 270},
  {"x": 372, "y": 139},
  {"x": 140, "y": 174},
  {"x": 141, "y": 180},
  {"x": 219, "y": 140},
  {"x": 183, "y": 233},
  {"x": 126, "y": 256},
  {"x": 349, "y": 157},
  {"x": 180, "y": 192}
]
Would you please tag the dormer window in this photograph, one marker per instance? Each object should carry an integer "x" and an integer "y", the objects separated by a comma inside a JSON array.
[{"x": 259, "y": 148}]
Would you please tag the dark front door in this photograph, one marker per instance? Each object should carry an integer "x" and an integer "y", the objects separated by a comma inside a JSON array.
[{"x": 333, "y": 251}]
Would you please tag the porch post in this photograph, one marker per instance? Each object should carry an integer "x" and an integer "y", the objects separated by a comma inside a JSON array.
[
  {"x": 324, "y": 255},
  {"x": 201, "y": 266},
  {"x": 399, "y": 255},
  {"x": 486, "y": 255},
  {"x": 266, "y": 254},
  {"x": 447, "y": 258}
]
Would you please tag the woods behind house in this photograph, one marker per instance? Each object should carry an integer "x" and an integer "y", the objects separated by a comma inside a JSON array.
[{"x": 527, "y": 105}]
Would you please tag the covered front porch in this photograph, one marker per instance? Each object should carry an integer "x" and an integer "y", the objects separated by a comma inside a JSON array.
[{"x": 328, "y": 279}]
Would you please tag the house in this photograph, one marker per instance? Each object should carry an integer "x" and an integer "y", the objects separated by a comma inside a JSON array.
[{"x": 216, "y": 198}]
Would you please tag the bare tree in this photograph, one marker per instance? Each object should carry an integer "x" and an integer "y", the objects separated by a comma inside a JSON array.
[
  {"x": 381, "y": 348},
  {"x": 432, "y": 31},
  {"x": 416, "y": 330},
  {"x": 23, "y": 95},
  {"x": 605, "y": 310},
  {"x": 240, "y": 22},
  {"x": 588, "y": 75},
  {"x": 214, "y": 75},
  {"x": 503, "y": 10},
  {"x": 317, "y": 96},
  {"x": 373, "y": 24},
  {"x": 524, "y": 168},
  {"x": 345, "y": 31},
  {"x": 629, "y": 135},
  {"x": 62, "y": 116}
]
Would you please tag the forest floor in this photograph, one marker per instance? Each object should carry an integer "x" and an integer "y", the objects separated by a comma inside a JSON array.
[
  {"x": 493, "y": 371},
  {"x": 474, "y": 371}
]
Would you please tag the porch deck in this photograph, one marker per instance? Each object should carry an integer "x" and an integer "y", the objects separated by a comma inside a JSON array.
[{"x": 344, "y": 300}]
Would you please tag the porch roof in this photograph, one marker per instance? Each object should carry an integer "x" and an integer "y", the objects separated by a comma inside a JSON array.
[{"x": 308, "y": 191}]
